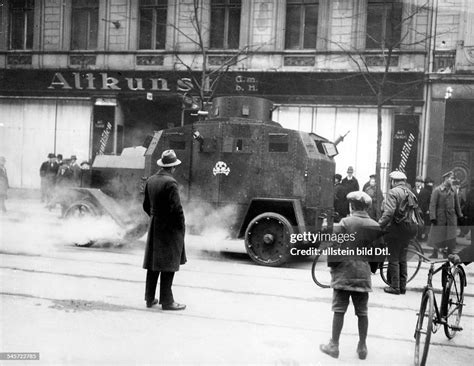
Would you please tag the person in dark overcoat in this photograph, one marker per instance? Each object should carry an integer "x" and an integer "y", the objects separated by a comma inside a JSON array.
[
  {"x": 424, "y": 198},
  {"x": 3, "y": 184},
  {"x": 444, "y": 214},
  {"x": 76, "y": 171},
  {"x": 339, "y": 198},
  {"x": 164, "y": 252},
  {"x": 418, "y": 187},
  {"x": 349, "y": 184},
  {"x": 48, "y": 173},
  {"x": 469, "y": 212}
]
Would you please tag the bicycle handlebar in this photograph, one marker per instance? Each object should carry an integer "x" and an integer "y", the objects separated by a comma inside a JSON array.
[{"x": 426, "y": 259}]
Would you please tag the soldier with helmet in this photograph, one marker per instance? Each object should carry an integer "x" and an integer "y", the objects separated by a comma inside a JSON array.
[{"x": 399, "y": 233}]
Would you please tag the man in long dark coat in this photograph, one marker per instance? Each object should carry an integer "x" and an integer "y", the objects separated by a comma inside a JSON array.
[
  {"x": 424, "y": 199},
  {"x": 444, "y": 213},
  {"x": 164, "y": 250},
  {"x": 350, "y": 184},
  {"x": 339, "y": 198},
  {"x": 48, "y": 172}
]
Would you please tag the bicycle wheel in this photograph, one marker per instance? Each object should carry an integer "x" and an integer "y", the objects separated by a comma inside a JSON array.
[
  {"x": 413, "y": 263},
  {"x": 453, "y": 298},
  {"x": 424, "y": 327},
  {"x": 320, "y": 270}
]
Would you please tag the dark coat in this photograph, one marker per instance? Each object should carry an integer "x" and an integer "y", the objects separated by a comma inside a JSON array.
[
  {"x": 353, "y": 273},
  {"x": 48, "y": 169},
  {"x": 350, "y": 185},
  {"x": 445, "y": 209},
  {"x": 340, "y": 201},
  {"x": 165, "y": 243},
  {"x": 469, "y": 208},
  {"x": 424, "y": 198},
  {"x": 3, "y": 181}
]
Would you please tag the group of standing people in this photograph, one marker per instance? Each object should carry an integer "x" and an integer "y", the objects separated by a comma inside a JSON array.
[
  {"x": 441, "y": 208},
  {"x": 342, "y": 187},
  {"x": 56, "y": 175}
]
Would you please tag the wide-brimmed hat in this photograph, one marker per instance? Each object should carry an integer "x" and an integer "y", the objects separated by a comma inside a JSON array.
[
  {"x": 428, "y": 180},
  {"x": 51, "y": 156},
  {"x": 168, "y": 159},
  {"x": 419, "y": 179},
  {"x": 73, "y": 157},
  {"x": 397, "y": 175}
]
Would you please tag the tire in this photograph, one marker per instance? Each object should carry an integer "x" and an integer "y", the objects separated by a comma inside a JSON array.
[
  {"x": 453, "y": 302},
  {"x": 267, "y": 239},
  {"x": 320, "y": 270},
  {"x": 422, "y": 333},
  {"x": 79, "y": 210},
  {"x": 411, "y": 258}
]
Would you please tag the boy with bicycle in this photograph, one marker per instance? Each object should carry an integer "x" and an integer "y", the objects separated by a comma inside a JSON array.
[{"x": 350, "y": 275}]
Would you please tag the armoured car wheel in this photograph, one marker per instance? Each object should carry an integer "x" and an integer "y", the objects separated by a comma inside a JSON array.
[
  {"x": 79, "y": 210},
  {"x": 267, "y": 239}
]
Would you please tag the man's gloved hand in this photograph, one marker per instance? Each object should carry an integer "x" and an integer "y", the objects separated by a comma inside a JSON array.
[
  {"x": 434, "y": 222},
  {"x": 454, "y": 258}
]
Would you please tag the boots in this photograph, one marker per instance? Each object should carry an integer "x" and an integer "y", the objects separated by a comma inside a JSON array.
[
  {"x": 362, "y": 351},
  {"x": 331, "y": 349}
]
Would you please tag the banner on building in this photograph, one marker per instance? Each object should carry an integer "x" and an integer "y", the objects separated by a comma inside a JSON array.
[{"x": 405, "y": 145}]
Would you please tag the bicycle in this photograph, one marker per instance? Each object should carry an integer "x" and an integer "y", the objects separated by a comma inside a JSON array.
[
  {"x": 413, "y": 246},
  {"x": 430, "y": 316},
  {"x": 320, "y": 265},
  {"x": 322, "y": 277}
]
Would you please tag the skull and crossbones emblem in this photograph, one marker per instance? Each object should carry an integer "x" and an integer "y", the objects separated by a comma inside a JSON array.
[{"x": 221, "y": 168}]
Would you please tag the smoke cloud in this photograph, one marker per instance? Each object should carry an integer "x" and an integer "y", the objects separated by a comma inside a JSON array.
[{"x": 215, "y": 223}]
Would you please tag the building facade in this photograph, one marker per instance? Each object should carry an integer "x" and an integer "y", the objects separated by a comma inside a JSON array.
[{"x": 88, "y": 77}]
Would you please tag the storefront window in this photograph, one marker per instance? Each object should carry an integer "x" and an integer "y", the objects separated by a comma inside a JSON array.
[
  {"x": 153, "y": 18},
  {"x": 301, "y": 24},
  {"x": 21, "y": 24},
  {"x": 85, "y": 24},
  {"x": 384, "y": 21},
  {"x": 225, "y": 23}
]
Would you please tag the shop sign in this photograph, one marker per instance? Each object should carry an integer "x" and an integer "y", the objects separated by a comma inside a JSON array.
[{"x": 103, "y": 81}]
